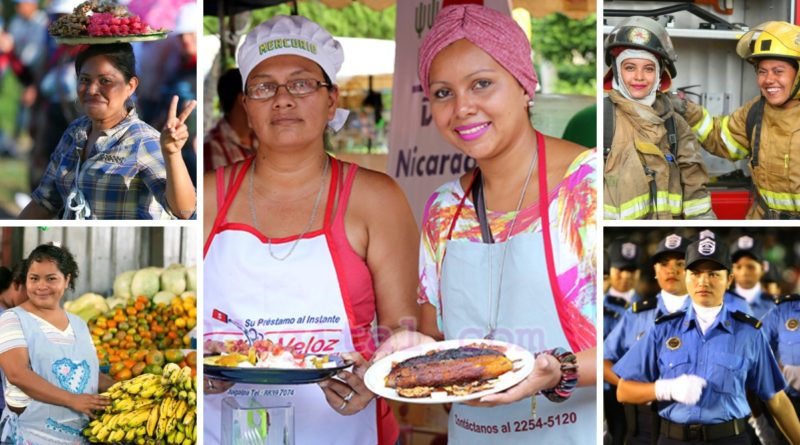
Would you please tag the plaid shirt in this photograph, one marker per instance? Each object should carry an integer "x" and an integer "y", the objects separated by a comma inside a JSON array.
[
  {"x": 123, "y": 177},
  {"x": 222, "y": 147}
]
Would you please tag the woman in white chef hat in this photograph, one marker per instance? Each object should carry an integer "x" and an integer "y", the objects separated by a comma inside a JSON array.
[{"x": 305, "y": 250}]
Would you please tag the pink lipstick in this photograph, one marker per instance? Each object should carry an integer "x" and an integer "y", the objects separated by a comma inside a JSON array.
[{"x": 472, "y": 132}]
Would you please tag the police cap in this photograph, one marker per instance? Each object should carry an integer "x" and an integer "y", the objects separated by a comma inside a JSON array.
[
  {"x": 624, "y": 254},
  {"x": 746, "y": 245},
  {"x": 771, "y": 273},
  {"x": 708, "y": 249},
  {"x": 671, "y": 244}
]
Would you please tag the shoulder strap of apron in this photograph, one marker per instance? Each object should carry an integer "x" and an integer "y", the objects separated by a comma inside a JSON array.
[
  {"x": 461, "y": 204},
  {"x": 336, "y": 166},
  {"x": 544, "y": 211}
]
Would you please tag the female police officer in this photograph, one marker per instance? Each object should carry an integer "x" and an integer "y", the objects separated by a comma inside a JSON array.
[
  {"x": 670, "y": 268},
  {"x": 698, "y": 363},
  {"x": 782, "y": 333}
]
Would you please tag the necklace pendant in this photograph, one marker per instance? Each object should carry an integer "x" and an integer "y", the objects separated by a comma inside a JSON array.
[{"x": 490, "y": 335}]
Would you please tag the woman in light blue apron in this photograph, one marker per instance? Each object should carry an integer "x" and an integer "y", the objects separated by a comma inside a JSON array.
[
  {"x": 503, "y": 256},
  {"x": 49, "y": 362}
]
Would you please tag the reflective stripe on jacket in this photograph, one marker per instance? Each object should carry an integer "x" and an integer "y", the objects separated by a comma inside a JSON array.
[{"x": 777, "y": 175}]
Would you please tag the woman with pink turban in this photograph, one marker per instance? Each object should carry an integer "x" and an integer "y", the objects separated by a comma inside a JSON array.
[{"x": 508, "y": 249}]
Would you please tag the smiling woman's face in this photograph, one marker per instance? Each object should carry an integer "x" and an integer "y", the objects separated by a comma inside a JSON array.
[
  {"x": 639, "y": 76},
  {"x": 103, "y": 90},
  {"x": 477, "y": 105},
  {"x": 775, "y": 80},
  {"x": 45, "y": 284}
]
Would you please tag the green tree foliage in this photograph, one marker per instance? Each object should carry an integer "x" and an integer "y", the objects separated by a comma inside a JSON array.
[
  {"x": 355, "y": 20},
  {"x": 571, "y": 46}
]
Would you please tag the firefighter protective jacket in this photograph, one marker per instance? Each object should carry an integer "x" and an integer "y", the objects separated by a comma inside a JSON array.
[
  {"x": 777, "y": 175},
  {"x": 640, "y": 153}
]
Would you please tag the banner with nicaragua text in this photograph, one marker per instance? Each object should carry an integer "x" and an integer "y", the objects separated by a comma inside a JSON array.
[{"x": 419, "y": 158}]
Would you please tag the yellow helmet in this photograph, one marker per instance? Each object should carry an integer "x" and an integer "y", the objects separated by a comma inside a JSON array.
[{"x": 773, "y": 40}]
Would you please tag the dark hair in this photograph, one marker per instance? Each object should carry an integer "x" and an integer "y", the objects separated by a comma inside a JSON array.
[
  {"x": 18, "y": 274},
  {"x": 5, "y": 278},
  {"x": 11, "y": 276},
  {"x": 59, "y": 255},
  {"x": 229, "y": 86},
  {"x": 119, "y": 54}
]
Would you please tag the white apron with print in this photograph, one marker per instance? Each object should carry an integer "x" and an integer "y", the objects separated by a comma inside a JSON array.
[
  {"x": 72, "y": 367},
  {"x": 294, "y": 302},
  {"x": 528, "y": 318}
]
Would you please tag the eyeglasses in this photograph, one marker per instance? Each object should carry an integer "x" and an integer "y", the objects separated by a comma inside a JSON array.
[{"x": 297, "y": 88}]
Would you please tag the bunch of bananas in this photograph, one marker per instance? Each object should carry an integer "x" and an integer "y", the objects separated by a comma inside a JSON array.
[{"x": 149, "y": 409}]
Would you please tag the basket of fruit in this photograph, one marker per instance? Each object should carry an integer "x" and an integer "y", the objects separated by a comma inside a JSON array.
[{"x": 102, "y": 21}]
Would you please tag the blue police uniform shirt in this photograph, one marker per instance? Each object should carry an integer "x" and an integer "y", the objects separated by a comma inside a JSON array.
[
  {"x": 612, "y": 313},
  {"x": 780, "y": 328},
  {"x": 632, "y": 327},
  {"x": 736, "y": 303},
  {"x": 762, "y": 305},
  {"x": 733, "y": 356}
]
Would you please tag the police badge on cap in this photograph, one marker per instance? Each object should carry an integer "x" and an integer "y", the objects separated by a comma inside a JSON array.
[
  {"x": 706, "y": 247},
  {"x": 745, "y": 242},
  {"x": 672, "y": 241},
  {"x": 628, "y": 251},
  {"x": 707, "y": 234}
]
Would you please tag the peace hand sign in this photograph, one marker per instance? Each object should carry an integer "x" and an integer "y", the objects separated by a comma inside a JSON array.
[{"x": 175, "y": 132}]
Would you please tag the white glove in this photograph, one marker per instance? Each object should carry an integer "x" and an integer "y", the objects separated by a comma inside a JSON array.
[
  {"x": 764, "y": 432},
  {"x": 792, "y": 374},
  {"x": 685, "y": 389}
]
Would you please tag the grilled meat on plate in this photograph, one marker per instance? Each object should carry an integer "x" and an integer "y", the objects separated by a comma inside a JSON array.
[{"x": 458, "y": 366}]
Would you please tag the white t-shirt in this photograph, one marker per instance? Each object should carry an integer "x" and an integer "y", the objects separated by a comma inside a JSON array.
[{"x": 11, "y": 337}]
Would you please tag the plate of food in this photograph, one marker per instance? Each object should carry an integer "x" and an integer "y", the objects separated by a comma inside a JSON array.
[
  {"x": 100, "y": 22},
  {"x": 267, "y": 363},
  {"x": 449, "y": 371}
]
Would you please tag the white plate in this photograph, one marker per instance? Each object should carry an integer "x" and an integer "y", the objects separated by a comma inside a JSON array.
[{"x": 376, "y": 374}]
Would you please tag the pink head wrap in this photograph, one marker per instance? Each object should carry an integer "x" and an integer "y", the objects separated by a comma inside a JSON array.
[{"x": 496, "y": 33}]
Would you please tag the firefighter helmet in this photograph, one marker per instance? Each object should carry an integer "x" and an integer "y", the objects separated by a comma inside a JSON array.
[
  {"x": 643, "y": 33},
  {"x": 773, "y": 40}
]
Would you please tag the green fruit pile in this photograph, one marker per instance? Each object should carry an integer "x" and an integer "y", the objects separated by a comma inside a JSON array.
[{"x": 149, "y": 409}]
